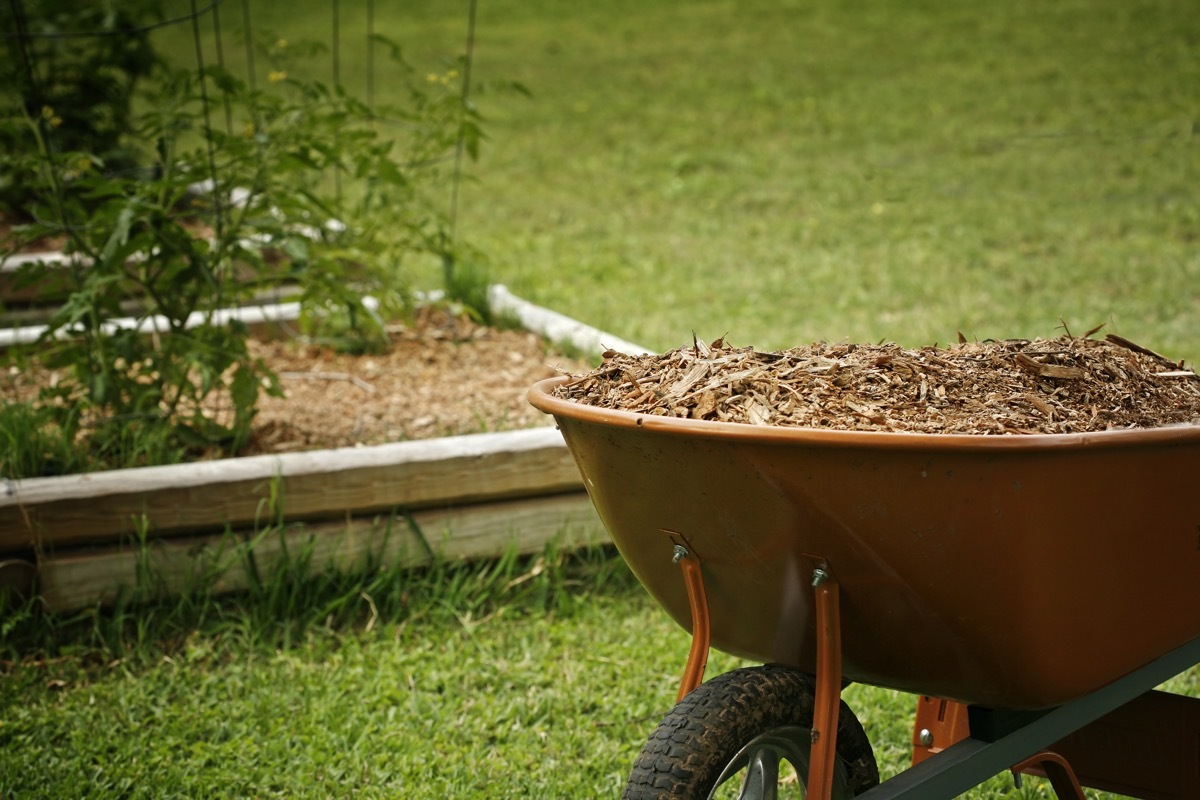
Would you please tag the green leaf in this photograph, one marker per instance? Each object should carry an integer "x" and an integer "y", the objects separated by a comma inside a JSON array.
[
  {"x": 296, "y": 248},
  {"x": 120, "y": 234},
  {"x": 225, "y": 80},
  {"x": 243, "y": 389}
]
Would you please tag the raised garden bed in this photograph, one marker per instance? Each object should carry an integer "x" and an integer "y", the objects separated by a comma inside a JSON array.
[{"x": 85, "y": 538}]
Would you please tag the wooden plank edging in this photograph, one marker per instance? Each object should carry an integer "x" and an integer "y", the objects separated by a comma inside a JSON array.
[
  {"x": 182, "y": 498},
  {"x": 99, "y": 576}
]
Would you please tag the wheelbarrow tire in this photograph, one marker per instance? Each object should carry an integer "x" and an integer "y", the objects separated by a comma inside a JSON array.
[{"x": 708, "y": 731}]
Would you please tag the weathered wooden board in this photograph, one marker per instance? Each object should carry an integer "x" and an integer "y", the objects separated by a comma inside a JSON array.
[
  {"x": 208, "y": 496},
  {"x": 98, "y": 575}
]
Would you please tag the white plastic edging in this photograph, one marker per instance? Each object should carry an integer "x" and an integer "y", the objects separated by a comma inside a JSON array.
[
  {"x": 558, "y": 327},
  {"x": 14, "y": 262},
  {"x": 549, "y": 324},
  {"x": 250, "y": 315}
]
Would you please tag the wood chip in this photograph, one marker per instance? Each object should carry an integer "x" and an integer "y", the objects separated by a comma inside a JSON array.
[
  {"x": 996, "y": 387},
  {"x": 1048, "y": 370}
]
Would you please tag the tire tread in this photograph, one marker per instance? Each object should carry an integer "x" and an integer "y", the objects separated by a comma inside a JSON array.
[{"x": 686, "y": 753}]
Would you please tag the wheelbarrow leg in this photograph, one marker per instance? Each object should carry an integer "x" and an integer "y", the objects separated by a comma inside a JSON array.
[
  {"x": 828, "y": 694},
  {"x": 697, "y": 660},
  {"x": 827, "y": 689}
]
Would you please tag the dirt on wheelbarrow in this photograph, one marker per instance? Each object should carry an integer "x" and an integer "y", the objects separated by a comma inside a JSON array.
[{"x": 1013, "y": 386}]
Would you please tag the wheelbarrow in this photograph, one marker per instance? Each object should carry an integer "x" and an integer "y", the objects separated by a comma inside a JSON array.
[{"x": 1031, "y": 591}]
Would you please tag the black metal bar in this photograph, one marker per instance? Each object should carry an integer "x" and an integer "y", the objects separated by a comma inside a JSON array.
[
  {"x": 249, "y": 42},
  {"x": 371, "y": 54},
  {"x": 220, "y": 52},
  {"x": 456, "y": 177},
  {"x": 971, "y": 762},
  {"x": 336, "y": 37},
  {"x": 218, "y": 206}
]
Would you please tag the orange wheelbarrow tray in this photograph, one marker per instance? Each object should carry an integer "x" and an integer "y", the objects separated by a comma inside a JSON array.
[{"x": 1013, "y": 573}]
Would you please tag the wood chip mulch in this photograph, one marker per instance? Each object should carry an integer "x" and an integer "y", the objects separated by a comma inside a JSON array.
[
  {"x": 443, "y": 375},
  {"x": 1014, "y": 386}
]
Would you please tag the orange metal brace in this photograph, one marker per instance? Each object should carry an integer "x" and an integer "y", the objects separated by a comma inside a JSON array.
[
  {"x": 693, "y": 579},
  {"x": 1062, "y": 778},
  {"x": 942, "y": 723},
  {"x": 828, "y": 698},
  {"x": 826, "y": 703},
  {"x": 939, "y": 724}
]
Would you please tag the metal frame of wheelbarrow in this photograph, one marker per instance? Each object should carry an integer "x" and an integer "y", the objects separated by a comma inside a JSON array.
[{"x": 990, "y": 743}]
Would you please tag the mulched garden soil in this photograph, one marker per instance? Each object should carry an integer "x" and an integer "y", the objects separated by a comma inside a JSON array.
[
  {"x": 443, "y": 374},
  {"x": 1014, "y": 386}
]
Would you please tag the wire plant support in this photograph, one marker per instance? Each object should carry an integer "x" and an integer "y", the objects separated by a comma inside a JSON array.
[{"x": 20, "y": 36}]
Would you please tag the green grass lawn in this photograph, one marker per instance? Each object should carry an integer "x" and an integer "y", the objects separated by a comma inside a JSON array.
[
  {"x": 791, "y": 171},
  {"x": 526, "y": 678},
  {"x": 784, "y": 172},
  {"x": 513, "y": 705},
  {"x": 775, "y": 171}
]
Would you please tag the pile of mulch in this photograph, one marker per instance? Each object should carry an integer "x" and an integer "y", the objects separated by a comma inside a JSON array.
[{"x": 1015, "y": 386}]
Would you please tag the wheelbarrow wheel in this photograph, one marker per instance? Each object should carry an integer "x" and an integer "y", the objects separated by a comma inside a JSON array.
[{"x": 752, "y": 723}]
